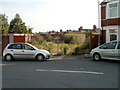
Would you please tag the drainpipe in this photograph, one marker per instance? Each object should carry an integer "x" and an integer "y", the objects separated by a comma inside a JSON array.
[{"x": 98, "y": 22}]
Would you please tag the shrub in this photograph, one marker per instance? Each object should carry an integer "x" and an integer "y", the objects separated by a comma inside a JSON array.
[
  {"x": 66, "y": 48},
  {"x": 82, "y": 49},
  {"x": 68, "y": 39},
  {"x": 86, "y": 44},
  {"x": 77, "y": 50},
  {"x": 52, "y": 47}
]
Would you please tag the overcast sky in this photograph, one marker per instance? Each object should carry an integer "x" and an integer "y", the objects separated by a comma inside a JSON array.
[{"x": 47, "y": 15}]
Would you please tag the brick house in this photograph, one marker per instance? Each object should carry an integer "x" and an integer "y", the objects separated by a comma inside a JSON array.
[{"x": 110, "y": 19}]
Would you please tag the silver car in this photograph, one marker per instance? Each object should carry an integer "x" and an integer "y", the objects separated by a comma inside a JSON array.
[
  {"x": 24, "y": 51},
  {"x": 110, "y": 50}
]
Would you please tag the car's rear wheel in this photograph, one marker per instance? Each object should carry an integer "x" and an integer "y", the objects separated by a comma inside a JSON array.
[
  {"x": 40, "y": 57},
  {"x": 8, "y": 57},
  {"x": 97, "y": 57}
]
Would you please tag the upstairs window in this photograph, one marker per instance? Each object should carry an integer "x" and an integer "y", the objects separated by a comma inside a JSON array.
[{"x": 113, "y": 10}]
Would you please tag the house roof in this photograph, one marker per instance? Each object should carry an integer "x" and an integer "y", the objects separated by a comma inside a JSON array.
[{"x": 107, "y": 1}]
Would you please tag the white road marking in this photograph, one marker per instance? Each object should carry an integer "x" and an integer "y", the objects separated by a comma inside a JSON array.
[
  {"x": 5, "y": 64},
  {"x": 68, "y": 71}
]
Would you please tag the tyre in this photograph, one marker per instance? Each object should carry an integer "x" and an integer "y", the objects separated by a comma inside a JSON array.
[
  {"x": 8, "y": 57},
  {"x": 97, "y": 57},
  {"x": 40, "y": 57}
]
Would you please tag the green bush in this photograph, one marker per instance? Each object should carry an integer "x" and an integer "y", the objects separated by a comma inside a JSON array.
[
  {"x": 86, "y": 44},
  {"x": 82, "y": 49},
  {"x": 77, "y": 50},
  {"x": 66, "y": 50},
  {"x": 71, "y": 45}
]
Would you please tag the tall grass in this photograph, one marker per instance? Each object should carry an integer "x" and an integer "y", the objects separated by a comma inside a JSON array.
[{"x": 66, "y": 48}]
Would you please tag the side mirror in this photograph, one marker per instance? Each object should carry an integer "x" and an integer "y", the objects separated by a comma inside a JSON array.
[
  {"x": 32, "y": 49},
  {"x": 103, "y": 47}
]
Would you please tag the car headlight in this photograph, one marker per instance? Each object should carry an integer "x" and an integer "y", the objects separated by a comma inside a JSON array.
[{"x": 92, "y": 50}]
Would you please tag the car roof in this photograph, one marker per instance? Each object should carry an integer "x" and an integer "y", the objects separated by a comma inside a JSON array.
[
  {"x": 115, "y": 41},
  {"x": 18, "y": 43}
]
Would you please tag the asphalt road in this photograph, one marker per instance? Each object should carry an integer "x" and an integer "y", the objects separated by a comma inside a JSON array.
[{"x": 67, "y": 72}]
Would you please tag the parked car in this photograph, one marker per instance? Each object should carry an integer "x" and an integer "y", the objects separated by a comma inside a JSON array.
[
  {"x": 110, "y": 50},
  {"x": 24, "y": 51}
]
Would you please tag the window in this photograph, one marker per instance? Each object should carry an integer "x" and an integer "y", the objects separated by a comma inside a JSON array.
[
  {"x": 118, "y": 46},
  {"x": 110, "y": 45},
  {"x": 104, "y": 46},
  {"x": 15, "y": 46},
  {"x": 113, "y": 34},
  {"x": 113, "y": 10},
  {"x": 28, "y": 47},
  {"x": 113, "y": 37}
]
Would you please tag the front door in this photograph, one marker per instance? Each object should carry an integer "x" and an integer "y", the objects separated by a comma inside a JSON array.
[
  {"x": 108, "y": 50},
  {"x": 118, "y": 51},
  {"x": 29, "y": 51}
]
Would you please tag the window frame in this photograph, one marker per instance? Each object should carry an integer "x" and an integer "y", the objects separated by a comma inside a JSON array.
[
  {"x": 108, "y": 9},
  {"x": 113, "y": 33},
  {"x": 118, "y": 45},
  {"x": 23, "y": 46},
  {"x": 101, "y": 47},
  {"x": 14, "y": 48}
]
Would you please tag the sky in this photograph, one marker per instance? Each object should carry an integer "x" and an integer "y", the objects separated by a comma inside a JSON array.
[{"x": 48, "y": 15}]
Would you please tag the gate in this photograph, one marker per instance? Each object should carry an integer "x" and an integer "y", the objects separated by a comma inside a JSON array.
[
  {"x": 93, "y": 41},
  {"x": 19, "y": 39}
]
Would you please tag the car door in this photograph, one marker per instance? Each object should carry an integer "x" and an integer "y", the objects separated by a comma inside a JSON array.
[
  {"x": 118, "y": 51},
  {"x": 29, "y": 51},
  {"x": 108, "y": 50},
  {"x": 16, "y": 50}
]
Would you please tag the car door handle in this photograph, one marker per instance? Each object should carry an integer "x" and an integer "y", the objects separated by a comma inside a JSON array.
[
  {"x": 23, "y": 51},
  {"x": 11, "y": 50}
]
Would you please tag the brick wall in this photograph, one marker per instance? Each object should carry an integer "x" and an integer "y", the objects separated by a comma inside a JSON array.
[
  {"x": 5, "y": 41},
  {"x": 103, "y": 12},
  {"x": 110, "y": 22}
]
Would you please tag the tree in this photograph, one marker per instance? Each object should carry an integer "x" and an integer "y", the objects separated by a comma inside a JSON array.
[
  {"x": 29, "y": 30},
  {"x": 17, "y": 25},
  {"x": 4, "y": 26}
]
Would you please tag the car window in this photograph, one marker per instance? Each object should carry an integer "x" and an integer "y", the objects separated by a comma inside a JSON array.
[
  {"x": 28, "y": 47},
  {"x": 110, "y": 45},
  {"x": 104, "y": 46},
  {"x": 15, "y": 46},
  {"x": 118, "y": 47}
]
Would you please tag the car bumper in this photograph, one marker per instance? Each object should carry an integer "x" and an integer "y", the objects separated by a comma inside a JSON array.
[
  {"x": 48, "y": 56},
  {"x": 91, "y": 54}
]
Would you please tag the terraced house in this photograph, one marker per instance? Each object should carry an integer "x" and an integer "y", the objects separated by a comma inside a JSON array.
[{"x": 110, "y": 19}]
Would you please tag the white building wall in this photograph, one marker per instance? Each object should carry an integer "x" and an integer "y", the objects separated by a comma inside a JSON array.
[
  {"x": 119, "y": 17},
  {"x": 107, "y": 35},
  {"x": 119, "y": 9},
  {"x": 119, "y": 33},
  {"x": 107, "y": 28}
]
